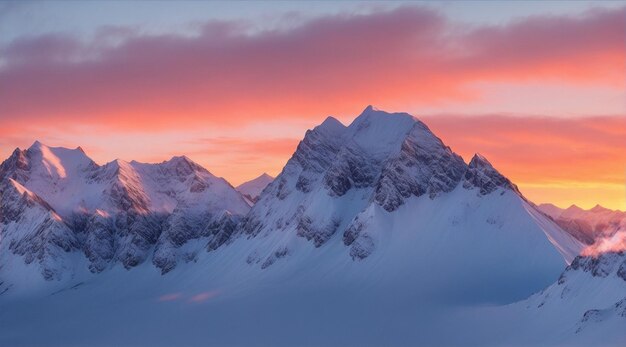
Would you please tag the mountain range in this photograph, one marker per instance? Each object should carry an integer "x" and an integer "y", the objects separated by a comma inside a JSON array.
[
  {"x": 587, "y": 225},
  {"x": 377, "y": 226}
]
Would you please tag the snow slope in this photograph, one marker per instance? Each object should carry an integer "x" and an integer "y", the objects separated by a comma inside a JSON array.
[{"x": 585, "y": 307}]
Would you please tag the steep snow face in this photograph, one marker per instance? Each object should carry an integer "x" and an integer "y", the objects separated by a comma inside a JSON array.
[
  {"x": 588, "y": 299},
  {"x": 123, "y": 211},
  {"x": 30, "y": 228},
  {"x": 386, "y": 188},
  {"x": 587, "y": 225},
  {"x": 253, "y": 188}
]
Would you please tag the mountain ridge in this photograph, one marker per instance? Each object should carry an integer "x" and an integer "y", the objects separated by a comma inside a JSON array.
[{"x": 374, "y": 225}]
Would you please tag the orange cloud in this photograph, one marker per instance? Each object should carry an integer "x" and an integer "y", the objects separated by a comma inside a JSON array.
[
  {"x": 558, "y": 160},
  {"x": 53, "y": 87},
  {"x": 225, "y": 75}
]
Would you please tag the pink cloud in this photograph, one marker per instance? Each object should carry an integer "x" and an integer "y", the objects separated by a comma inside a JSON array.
[
  {"x": 204, "y": 296},
  {"x": 226, "y": 75},
  {"x": 615, "y": 243}
]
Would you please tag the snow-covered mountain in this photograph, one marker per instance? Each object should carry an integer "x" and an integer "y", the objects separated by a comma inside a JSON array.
[
  {"x": 253, "y": 188},
  {"x": 588, "y": 302},
  {"x": 375, "y": 233},
  {"x": 57, "y": 199},
  {"x": 385, "y": 190},
  {"x": 587, "y": 225}
]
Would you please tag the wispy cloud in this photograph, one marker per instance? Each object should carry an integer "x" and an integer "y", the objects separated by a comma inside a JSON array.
[{"x": 615, "y": 243}]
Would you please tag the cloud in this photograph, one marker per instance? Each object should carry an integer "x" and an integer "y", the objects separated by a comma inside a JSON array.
[
  {"x": 226, "y": 75},
  {"x": 615, "y": 243}
]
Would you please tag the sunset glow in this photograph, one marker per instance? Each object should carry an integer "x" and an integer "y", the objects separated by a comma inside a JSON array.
[
  {"x": 541, "y": 96},
  {"x": 312, "y": 173}
]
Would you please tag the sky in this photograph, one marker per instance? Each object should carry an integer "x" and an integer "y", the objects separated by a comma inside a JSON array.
[{"x": 539, "y": 88}]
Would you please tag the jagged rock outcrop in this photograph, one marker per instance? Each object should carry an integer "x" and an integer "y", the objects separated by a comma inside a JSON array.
[{"x": 482, "y": 175}]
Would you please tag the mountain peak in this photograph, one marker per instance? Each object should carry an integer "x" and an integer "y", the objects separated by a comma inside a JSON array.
[
  {"x": 331, "y": 126},
  {"x": 263, "y": 177},
  {"x": 37, "y": 145},
  {"x": 599, "y": 208},
  {"x": 180, "y": 159},
  {"x": 574, "y": 208},
  {"x": 253, "y": 188},
  {"x": 183, "y": 165},
  {"x": 369, "y": 108},
  {"x": 381, "y": 133},
  {"x": 478, "y": 160},
  {"x": 484, "y": 176}
]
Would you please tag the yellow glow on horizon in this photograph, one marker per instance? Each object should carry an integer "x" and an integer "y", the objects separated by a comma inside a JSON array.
[{"x": 583, "y": 194}]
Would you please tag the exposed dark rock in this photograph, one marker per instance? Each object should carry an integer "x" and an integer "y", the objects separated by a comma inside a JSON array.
[
  {"x": 482, "y": 175},
  {"x": 279, "y": 253}
]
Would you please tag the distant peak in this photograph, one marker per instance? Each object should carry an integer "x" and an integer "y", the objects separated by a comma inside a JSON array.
[
  {"x": 17, "y": 151},
  {"x": 120, "y": 163},
  {"x": 178, "y": 158},
  {"x": 265, "y": 178},
  {"x": 37, "y": 145},
  {"x": 478, "y": 160},
  {"x": 599, "y": 208},
  {"x": 332, "y": 125},
  {"x": 369, "y": 108},
  {"x": 574, "y": 207},
  {"x": 373, "y": 114},
  {"x": 265, "y": 175}
]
